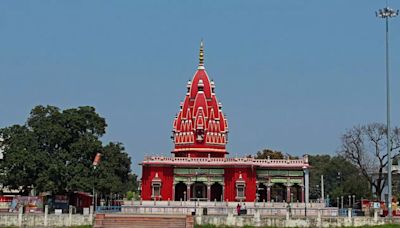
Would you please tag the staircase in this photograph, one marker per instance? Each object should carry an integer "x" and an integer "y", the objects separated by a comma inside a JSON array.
[{"x": 142, "y": 221}]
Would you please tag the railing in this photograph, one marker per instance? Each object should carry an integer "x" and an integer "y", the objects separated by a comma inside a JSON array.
[
  {"x": 108, "y": 209},
  {"x": 250, "y": 161},
  {"x": 223, "y": 210},
  {"x": 354, "y": 212}
]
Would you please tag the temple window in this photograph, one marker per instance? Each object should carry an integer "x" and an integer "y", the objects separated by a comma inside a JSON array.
[
  {"x": 156, "y": 190},
  {"x": 240, "y": 188},
  {"x": 156, "y": 187},
  {"x": 240, "y": 191}
]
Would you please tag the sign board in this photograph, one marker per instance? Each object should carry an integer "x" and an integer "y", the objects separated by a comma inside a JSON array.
[{"x": 377, "y": 205}]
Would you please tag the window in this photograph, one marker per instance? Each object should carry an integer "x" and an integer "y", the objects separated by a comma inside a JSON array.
[
  {"x": 240, "y": 189},
  {"x": 156, "y": 190}
]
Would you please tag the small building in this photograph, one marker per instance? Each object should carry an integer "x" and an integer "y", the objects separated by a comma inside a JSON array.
[{"x": 200, "y": 169}]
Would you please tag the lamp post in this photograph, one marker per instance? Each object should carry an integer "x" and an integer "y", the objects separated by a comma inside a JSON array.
[{"x": 387, "y": 13}]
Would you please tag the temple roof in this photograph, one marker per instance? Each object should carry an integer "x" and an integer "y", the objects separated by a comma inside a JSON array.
[{"x": 200, "y": 128}]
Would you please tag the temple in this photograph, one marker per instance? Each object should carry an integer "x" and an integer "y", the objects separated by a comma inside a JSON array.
[{"x": 200, "y": 169}]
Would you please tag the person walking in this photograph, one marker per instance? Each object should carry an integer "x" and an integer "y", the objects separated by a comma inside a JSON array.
[{"x": 238, "y": 209}]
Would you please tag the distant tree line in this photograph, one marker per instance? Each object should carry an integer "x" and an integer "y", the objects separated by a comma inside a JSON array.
[
  {"x": 358, "y": 168},
  {"x": 54, "y": 150}
]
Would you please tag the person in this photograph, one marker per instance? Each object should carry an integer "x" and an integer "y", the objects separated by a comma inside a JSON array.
[
  {"x": 238, "y": 209},
  {"x": 243, "y": 209}
]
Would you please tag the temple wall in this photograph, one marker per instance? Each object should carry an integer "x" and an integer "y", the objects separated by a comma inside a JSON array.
[
  {"x": 232, "y": 175},
  {"x": 166, "y": 174}
]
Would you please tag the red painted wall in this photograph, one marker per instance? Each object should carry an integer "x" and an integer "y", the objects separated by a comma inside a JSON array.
[
  {"x": 166, "y": 174},
  {"x": 232, "y": 174}
]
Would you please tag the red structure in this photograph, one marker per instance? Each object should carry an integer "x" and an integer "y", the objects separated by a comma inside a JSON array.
[{"x": 200, "y": 168}]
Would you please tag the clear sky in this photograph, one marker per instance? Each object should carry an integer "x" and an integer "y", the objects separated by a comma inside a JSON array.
[{"x": 291, "y": 75}]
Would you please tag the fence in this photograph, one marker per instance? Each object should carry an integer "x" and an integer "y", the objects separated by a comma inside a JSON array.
[{"x": 108, "y": 209}]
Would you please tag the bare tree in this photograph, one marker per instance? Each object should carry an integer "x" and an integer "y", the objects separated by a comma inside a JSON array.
[{"x": 365, "y": 146}]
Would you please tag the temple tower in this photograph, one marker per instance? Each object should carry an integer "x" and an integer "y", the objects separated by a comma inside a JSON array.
[{"x": 200, "y": 128}]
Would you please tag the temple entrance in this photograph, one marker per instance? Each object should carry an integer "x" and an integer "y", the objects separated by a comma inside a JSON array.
[
  {"x": 278, "y": 192},
  {"x": 262, "y": 192},
  {"x": 216, "y": 192},
  {"x": 199, "y": 191},
  {"x": 180, "y": 191}
]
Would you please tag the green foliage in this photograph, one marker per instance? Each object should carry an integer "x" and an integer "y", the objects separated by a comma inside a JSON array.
[
  {"x": 272, "y": 154},
  {"x": 54, "y": 151},
  {"x": 341, "y": 178}
]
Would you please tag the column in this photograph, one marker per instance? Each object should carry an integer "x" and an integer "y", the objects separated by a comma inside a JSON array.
[
  {"x": 302, "y": 193},
  {"x": 208, "y": 191},
  {"x": 288, "y": 192},
  {"x": 306, "y": 185},
  {"x": 173, "y": 192},
  {"x": 257, "y": 192},
  {"x": 188, "y": 191},
  {"x": 223, "y": 192},
  {"x": 269, "y": 192}
]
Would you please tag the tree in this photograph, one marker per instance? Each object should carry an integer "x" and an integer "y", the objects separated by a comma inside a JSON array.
[
  {"x": 113, "y": 171},
  {"x": 365, "y": 147},
  {"x": 341, "y": 178},
  {"x": 54, "y": 151},
  {"x": 22, "y": 158},
  {"x": 272, "y": 154}
]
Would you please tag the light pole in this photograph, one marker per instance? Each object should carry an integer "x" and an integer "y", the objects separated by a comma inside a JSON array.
[{"x": 387, "y": 13}]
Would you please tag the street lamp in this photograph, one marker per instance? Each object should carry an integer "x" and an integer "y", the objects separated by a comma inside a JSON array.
[{"x": 387, "y": 13}]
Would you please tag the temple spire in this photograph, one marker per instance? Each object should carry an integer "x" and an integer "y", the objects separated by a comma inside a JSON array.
[{"x": 201, "y": 55}]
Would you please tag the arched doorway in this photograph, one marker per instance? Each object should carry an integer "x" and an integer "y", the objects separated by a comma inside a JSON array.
[
  {"x": 278, "y": 192},
  {"x": 198, "y": 191},
  {"x": 216, "y": 192},
  {"x": 180, "y": 191},
  {"x": 262, "y": 192}
]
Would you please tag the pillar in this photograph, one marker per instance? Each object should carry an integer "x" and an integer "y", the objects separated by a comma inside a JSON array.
[
  {"x": 46, "y": 213},
  {"x": 20, "y": 211},
  {"x": 306, "y": 185},
  {"x": 70, "y": 216},
  {"x": 188, "y": 191},
  {"x": 223, "y": 192},
  {"x": 269, "y": 192},
  {"x": 173, "y": 192},
  {"x": 322, "y": 189},
  {"x": 288, "y": 192},
  {"x": 257, "y": 195},
  {"x": 208, "y": 191},
  {"x": 302, "y": 193}
]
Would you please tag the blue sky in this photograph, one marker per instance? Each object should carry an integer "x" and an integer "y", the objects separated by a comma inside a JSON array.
[{"x": 292, "y": 75}]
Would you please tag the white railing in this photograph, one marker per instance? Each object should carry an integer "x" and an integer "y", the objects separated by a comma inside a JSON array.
[
  {"x": 224, "y": 208},
  {"x": 248, "y": 161}
]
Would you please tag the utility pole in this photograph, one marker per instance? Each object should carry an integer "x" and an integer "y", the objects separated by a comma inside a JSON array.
[
  {"x": 387, "y": 13},
  {"x": 322, "y": 189}
]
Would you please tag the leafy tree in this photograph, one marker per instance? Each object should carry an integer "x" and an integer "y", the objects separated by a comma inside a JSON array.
[
  {"x": 341, "y": 178},
  {"x": 112, "y": 174},
  {"x": 272, "y": 154},
  {"x": 365, "y": 147},
  {"x": 22, "y": 158},
  {"x": 54, "y": 151}
]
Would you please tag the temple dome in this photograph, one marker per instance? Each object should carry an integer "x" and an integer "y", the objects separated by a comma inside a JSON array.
[{"x": 200, "y": 128}]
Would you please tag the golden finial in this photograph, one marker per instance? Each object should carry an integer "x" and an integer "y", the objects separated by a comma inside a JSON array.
[{"x": 201, "y": 55}]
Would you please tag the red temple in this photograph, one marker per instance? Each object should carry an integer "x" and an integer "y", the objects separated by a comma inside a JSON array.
[{"x": 200, "y": 168}]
